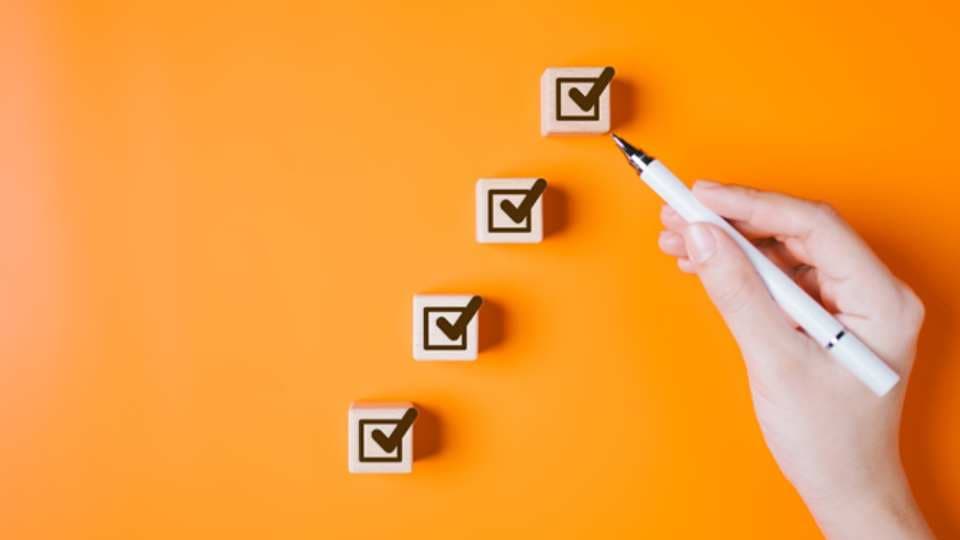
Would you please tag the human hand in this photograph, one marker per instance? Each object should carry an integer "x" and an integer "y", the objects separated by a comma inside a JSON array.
[{"x": 835, "y": 441}]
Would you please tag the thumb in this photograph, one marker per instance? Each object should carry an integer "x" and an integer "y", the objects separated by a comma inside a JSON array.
[{"x": 736, "y": 290}]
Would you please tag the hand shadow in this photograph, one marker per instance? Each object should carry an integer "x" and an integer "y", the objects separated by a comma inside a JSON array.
[
  {"x": 926, "y": 391},
  {"x": 921, "y": 436}
]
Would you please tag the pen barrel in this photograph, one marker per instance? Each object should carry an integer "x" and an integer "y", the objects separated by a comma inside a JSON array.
[
  {"x": 819, "y": 324},
  {"x": 854, "y": 355}
]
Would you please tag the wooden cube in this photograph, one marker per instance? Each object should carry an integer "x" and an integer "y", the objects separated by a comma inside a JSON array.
[
  {"x": 380, "y": 437},
  {"x": 575, "y": 100},
  {"x": 446, "y": 327},
  {"x": 510, "y": 210}
]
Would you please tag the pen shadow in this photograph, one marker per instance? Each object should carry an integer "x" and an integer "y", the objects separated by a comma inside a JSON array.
[
  {"x": 556, "y": 210},
  {"x": 492, "y": 325},
  {"x": 920, "y": 434},
  {"x": 625, "y": 103},
  {"x": 428, "y": 434}
]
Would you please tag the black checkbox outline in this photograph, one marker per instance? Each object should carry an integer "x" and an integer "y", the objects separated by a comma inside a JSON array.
[
  {"x": 391, "y": 459},
  {"x": 462, "y": 346},
  {"x": 527, "y": 225},
  {"x": 596, "y": 107}
]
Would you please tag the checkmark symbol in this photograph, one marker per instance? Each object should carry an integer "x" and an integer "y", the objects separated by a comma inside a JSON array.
[
  {"x": 389, "y": 444},
  {"x": 456, "y": 329},
  {"x": 588, "y": 101},
  {"x": 520, "y": 213}
]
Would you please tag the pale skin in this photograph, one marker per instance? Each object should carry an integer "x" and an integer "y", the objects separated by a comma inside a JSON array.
[{"x": 834, "y": 440}]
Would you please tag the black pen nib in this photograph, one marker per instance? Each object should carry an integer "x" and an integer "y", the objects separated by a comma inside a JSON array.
[
  {"x": 624, "y": 146},
  {"x": 630, "y": 151}
]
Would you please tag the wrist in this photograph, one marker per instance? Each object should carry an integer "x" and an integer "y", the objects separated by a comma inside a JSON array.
[{"x": 883, "y": 508}]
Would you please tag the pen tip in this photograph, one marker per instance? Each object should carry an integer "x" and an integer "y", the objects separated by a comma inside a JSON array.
[
  {"x": 623, "y": 145},
  {"x": 629, "y": 150}
]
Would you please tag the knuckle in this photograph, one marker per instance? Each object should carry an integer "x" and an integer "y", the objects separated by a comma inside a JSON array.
[
  {"x": 781, "y": 365},
  {"x": 734, "y": 295},
  {"x": 754, "y": 197},
  {"x": 825, "y": 213},
  {"x": 913, "y": 308}
]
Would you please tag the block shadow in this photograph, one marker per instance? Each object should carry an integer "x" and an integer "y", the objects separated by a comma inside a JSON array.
[
  {"x": 556, "y": 210},
  {"x": 428, "y": 434},
  {"x": 625, "y": 105},
  {"x": 492, "y": 324}
]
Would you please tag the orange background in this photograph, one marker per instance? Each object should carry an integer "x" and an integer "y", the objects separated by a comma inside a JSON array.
[{"x": 213, "y": 218}]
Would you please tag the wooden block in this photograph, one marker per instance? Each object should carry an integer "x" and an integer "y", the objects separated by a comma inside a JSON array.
[
  {"x": 510, "y": 210},
  {"x": 380, "y": 437},
  {"x": 445, "y": 327},
  {"x": 575, "y": 100}
]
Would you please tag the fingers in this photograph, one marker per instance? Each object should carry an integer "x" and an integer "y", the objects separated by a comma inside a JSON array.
[
  {"x": 815, "y": 235},
  {"x": 821, "y": 232},
  {"x": 671, "y": 219},
  {"x": 853, "y": 281},
  {"x": 780, "y": 252},
  {"x": 672, "y": 243},
  {"x": 736, "y": 290}
]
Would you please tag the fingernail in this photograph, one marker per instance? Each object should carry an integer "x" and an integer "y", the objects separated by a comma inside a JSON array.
[
  {"x": 668, "y": 239},
  {"x": 668, "y": 212},
  {"x": 705, "y": 184},
  {"x": 702, "y": 244}
]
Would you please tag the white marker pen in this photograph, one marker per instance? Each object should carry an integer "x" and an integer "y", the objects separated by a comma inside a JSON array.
[{"x": 807, "y": 312}]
